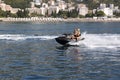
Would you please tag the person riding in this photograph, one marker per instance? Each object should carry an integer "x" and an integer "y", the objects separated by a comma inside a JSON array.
[{"x": 76, "y": 34}]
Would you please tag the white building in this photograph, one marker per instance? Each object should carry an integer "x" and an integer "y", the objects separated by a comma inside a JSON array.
[
  {"x": 116, "y": 9},
  {"x": 102, "y": 6},
  {"x": 107, "y": 10},
  {"x": 15, "y": 10},
  {"x": 43, "y": 10},
  {"x": 5, "y": 7},
  {"x": 34, "y": 10},
  {"x": 37, "y": 2},
  {"x": 71, "y": 8},
  {"x": 62, "y": 5},
  {"x": 111, "y": 6},
  {"x": 51, "y": 2},
  {"x": 53, "y": 9},
  {"x": 83, "y": 10},
  {"x": 58, "y": 0},
  {"x": 45, "y": 5},
  {"x": 32, "y": 4},
  {"x": 2, "y": 6}
]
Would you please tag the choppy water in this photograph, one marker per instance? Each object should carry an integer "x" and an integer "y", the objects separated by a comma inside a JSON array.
[{"x": 28, "y": 51}]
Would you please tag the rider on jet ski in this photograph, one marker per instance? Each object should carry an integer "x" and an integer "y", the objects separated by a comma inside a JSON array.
[
  {"x": 76, "y": 34},
  {"x": 64, "y": 40}
]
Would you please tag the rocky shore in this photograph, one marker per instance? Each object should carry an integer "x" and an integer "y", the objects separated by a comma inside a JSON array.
[{"x": 42, "y": 19}]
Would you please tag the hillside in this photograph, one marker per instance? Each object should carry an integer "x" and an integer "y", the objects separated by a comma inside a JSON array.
[
  {"x": 93, "y": 3},
  {"x": 90, "y": 3},
  {"x": 18, "y": 3}
]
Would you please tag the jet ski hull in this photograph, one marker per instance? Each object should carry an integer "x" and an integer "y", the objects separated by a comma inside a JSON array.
[{"x": 62, "y": 40}]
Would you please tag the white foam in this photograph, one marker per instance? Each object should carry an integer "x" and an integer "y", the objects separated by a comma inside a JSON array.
[
  {"x": 90, "y": 41},
  {"x": 102, "y": 40},
  {"x": 17, "y": 37},
  {"x": 99, "y": 41},
  {"x": 78, "y": 42}
]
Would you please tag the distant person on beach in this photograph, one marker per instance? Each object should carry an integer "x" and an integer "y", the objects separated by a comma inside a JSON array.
[{"x": 76, "y": 34}]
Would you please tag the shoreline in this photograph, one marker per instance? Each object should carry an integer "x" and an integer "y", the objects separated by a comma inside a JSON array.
[{"x": 42, "y": 19}]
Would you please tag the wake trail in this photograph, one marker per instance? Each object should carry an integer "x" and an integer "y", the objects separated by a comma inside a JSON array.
[
  {"x": 101, "y": 40},
  {"x": 90, "y": 41},
  {"x": 17, "y": 37}
]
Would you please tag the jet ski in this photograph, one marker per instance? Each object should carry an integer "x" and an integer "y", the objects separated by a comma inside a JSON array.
[{"x": 65, "y": 39}]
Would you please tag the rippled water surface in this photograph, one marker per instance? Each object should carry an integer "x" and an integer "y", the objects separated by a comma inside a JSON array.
[{"x": 28, "y": 51}]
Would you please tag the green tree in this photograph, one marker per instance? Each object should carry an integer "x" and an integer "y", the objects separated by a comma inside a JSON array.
[
  {"x": 35, "y": 14},
  {"x": 62, "y": 14},
  {"x": 47, "y": 14},
  {"x": 117, "y": 14},
  {"x": 19, "y": 13},
  {"x": 6, "y": 14},
  {"x": 18, "y": 3},
  {"x": 74, "y": 13},
  {"x": 67, "y": 14},
  {"x": 89, "y": 15},
  {"x": 100, "y": 13},
  {"x": 54, "y": 14},
  {"x": 22, "y": 13},
  {"x": 1, "y": 13},
  {"x": 26, "y": 13}
]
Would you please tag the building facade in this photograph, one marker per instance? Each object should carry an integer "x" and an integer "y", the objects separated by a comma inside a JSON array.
[
  {"x": 108, "y": 10},
  {"x": 83, "y": 10}
]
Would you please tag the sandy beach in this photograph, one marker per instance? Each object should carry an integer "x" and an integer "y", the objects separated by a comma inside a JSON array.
[{"x": 42, "y": 19}]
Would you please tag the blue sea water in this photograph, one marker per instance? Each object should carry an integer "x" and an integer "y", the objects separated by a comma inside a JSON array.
[{"x": 28, "y": 51}]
